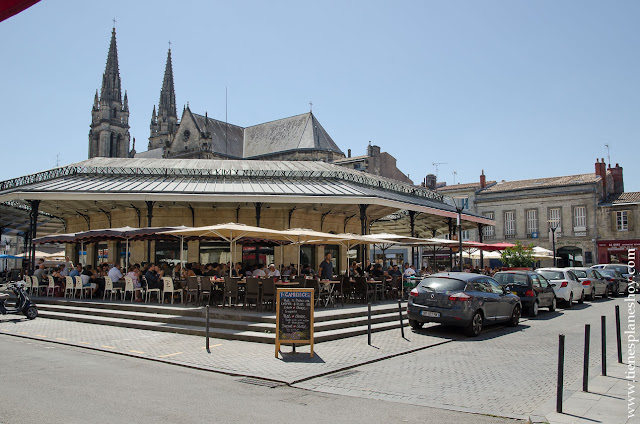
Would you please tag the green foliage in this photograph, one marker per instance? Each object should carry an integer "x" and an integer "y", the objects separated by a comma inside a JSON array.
[{"x": 518, "y": 256}]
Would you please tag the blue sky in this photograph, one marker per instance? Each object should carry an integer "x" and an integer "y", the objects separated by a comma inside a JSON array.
[{"x": 521, "y": 89}]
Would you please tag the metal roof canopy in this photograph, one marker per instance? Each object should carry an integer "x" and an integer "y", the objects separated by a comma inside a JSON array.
[
  {"x": 103, "y": 184},
  {"x": 14, "y": 219}
]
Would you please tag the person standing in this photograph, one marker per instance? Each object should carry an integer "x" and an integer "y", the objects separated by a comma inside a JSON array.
[{"x": 326, "y": 268}]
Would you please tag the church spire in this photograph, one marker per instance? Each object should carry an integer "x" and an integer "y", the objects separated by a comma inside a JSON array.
[
  {"x": 111, "y": 77},
  {"x": 167, "y": 106}
]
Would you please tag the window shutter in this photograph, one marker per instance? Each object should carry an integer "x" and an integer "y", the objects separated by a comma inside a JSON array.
[{"x": 614, "y": 225}]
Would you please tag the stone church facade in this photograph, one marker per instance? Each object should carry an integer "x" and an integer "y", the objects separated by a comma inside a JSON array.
[{"x": 196, "y": 136}]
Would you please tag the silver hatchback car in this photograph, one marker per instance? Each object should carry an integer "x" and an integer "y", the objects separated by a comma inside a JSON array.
[{"x": 462, "y": 299}]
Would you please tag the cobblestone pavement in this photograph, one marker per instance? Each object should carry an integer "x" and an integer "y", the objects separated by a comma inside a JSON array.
[
  {"x": 506, "y": 372},
  {"x": 228, "y": 356}
]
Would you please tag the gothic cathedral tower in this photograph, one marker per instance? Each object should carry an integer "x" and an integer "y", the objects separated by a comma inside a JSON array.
[
  {"x": 164, "y": 125},
  {"x": 109, "y": 133}
]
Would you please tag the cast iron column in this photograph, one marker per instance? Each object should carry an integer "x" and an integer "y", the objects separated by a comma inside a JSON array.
[
  {"x": 258, "y": 206},
  {"x": 450, "y": 223},
  {"x": 363, "y": 230},
  {"x": 481, "y": 240},
  {"x": 149, "y": 218},
  {"x": 412, "y": 223},
  {"x": 35, "y": 205}
]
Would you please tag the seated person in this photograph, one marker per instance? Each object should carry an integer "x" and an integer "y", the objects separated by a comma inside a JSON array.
[
  {"x": 259, "y": 271},
  {"x": 88, "y": 280},
  {"x": 376, "y": 272},
  {"x": 273, "y": 271}
]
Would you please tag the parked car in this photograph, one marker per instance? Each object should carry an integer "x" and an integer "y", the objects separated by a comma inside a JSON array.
[
  {"x": 617, "y": 283},
  {"x": 621, "y": 268},
  {"x": 564, "y": 283},
  {"x": 593, "y": 283},
  {"x": 462, "y": 299},
  {"x": 532, "y": 288}
]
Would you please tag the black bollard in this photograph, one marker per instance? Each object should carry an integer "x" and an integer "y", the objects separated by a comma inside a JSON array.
[
  {"x": 603, "y": 323},
  {"x": 618, "y": 335},
  {"x": 207, "y": 331},
  {"x": 560, "y": 373},
  {"x": 369, "y": 323},
  {"x": 585, "y": 367},
  {"x": 400, "y": 311}
]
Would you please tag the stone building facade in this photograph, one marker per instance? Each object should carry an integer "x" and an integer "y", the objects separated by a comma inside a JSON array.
[
  {"x": 374, "y": 162},
  {"x": 618, "y": 227}
]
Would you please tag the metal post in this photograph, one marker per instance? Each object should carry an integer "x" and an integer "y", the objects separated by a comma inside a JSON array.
[
  {"x": 207, "y": 331},
  {"x": 553, "y": 236},
  {"x": 560, "y": 373},
  {"x": 618, "y": 336},
  {"x": 460, "y": 238},
  {"x": 400, "y": 311},
  {"x": 369, "y": 323},
  {"x": 603, "y": 323},
  {"x": 585, "y": 367}
]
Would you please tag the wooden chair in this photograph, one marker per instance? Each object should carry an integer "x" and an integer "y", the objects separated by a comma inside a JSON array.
[
  {"x": 193, "y": 289},
  {"x": 69, "y": 286},
  {"x": 362, "y": 290},
  {"x": 168, "y": 288},
  {"x": 108, "y": 287},
  {"x": 252, "y": 291},
  {"x": 269, "y": 292},
  {"x": 206, "y": 289},
  {"x": 231, "y": 291}
]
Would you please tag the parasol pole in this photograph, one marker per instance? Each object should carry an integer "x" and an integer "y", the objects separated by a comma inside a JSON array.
[
  {"x": 126, "y": 258},
  {"x": 181, "y": 252}
]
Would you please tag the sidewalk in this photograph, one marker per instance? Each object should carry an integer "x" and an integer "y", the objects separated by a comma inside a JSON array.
[
  {"x": 232, "y": 357},
  {"x": 610, "y": 400}
]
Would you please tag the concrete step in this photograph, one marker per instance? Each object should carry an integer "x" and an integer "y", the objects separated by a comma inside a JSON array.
[{"x": 251, "y": 332}]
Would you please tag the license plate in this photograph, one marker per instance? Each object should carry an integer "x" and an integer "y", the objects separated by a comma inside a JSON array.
[{"x": 430, "y": 314}]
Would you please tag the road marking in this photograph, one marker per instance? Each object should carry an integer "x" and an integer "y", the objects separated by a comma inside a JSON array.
[
  {"x": 83, "y": 343},
  {"x": 215, "y": 345},
  {"x": 39, "y": 335},
  {"x": 108, "y": 347},
  {"x": 171, "y": 354},
  {"x": 64, "y": 340},
  {"x": 22, "y": 332},
  {"x": 135, "y": 351}
]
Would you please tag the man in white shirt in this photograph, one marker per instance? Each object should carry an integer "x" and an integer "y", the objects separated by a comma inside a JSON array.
[
  {"x": 259, "y": 271},
  {"x": 115, "y": 274},
  {"x": 273, "y": 271}
]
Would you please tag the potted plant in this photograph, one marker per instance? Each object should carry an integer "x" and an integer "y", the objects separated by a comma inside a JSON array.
[{"x": 518, "y": 256}]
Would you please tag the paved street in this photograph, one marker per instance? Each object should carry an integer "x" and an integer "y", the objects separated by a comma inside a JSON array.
[
  {"x": 61, "y": 384},
  {"x": 504, "y": 372}
]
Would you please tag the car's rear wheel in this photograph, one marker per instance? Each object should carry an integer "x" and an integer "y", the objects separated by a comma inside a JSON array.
[
  {"x": 515, "y": 316},
  {"x": 581, "y": 300},
  {"x": 606, "y": 293},
  {"x": 592, "y": 296},
  {"x": 475, "y": 326},
  {"x": 570, "y": 302},
  {"x": 553, "y": 305},
  {"x": 535, "y": 308},
  {"x": 416, "y": 325}
]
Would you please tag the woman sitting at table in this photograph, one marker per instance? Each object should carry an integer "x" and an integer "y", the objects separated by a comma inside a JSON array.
[{"x": 136, "y": 277}]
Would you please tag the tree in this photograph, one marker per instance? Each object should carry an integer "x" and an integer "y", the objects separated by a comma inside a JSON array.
[{"x": 518, "y": 256}]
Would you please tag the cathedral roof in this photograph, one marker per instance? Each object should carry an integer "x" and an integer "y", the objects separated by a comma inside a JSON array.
[
  {"x": 226, "y": 138},
  {"x": 300, "y": 132},
  {"x": 111, "y": 85}
]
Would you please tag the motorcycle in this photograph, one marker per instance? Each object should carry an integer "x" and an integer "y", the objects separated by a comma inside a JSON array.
[{"x": 23, "y": 302}]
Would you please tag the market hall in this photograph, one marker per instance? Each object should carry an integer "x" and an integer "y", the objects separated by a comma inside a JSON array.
[{"x": 117, "y": 192}]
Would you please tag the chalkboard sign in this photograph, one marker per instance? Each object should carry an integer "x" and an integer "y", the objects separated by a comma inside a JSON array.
[{"x": 294, "y": 317}]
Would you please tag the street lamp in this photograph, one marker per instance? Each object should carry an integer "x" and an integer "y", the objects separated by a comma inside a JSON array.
[
  {"x": 460, "y": 202},
  {"x": 553, "y": 226}
]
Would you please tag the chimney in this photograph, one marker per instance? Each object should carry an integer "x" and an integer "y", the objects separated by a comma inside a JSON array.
[
  {"x": 601, "y": 171},
  {"x": 349, "y": 153},
  {"x": 483, "y": 180},
  {"x": 431, "y": 182},
  {"x": 618, "y": 183}
]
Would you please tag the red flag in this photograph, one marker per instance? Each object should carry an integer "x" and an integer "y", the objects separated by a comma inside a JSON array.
[{"x": 8, "y": 8}]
